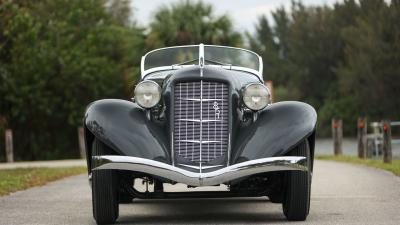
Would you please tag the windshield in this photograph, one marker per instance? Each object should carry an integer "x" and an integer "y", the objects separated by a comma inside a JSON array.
[
  {"x": 171, "y": 56},
  {"x": 231, "y": 56},
  {"x": 176, "y": 57}
]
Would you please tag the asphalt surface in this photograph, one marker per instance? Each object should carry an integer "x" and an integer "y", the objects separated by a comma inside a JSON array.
[{"x": 341, "y": 194}]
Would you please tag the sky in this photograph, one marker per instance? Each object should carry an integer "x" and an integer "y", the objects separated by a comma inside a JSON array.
[{"x": 244, "y": 13}]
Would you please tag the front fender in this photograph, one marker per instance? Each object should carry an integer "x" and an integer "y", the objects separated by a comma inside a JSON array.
[
  {"x": 279, "y": 128},
  {"x": 123, "y": 126}
]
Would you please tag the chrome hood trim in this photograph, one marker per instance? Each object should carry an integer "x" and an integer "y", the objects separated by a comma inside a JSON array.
[{"x": 179, "y": 175}]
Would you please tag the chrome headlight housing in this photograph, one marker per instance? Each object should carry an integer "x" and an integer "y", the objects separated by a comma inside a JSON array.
[
  {"x": 256, "y": 96},
  {"x": 147, "y": 94}
]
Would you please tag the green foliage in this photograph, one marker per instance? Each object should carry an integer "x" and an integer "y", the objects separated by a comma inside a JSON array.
[
  {"x": 371, "y": 71},
  {"x": 54, "y": 64},
  {"x": 57, "y": 56},
  {"x": 343, "y": 60},
  {"x": 191, "y": 23}
]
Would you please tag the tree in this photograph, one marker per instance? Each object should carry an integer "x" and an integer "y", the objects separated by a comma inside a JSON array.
[
  {"x": 120, "y": 12},
  {"x": 340, "y": 59},
  {"x": 59, "y": 56},
  {"x": 371, "y": 72},
  {"x": 189, "y": 22}
]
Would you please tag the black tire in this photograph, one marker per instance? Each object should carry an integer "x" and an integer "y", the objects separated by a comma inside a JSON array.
[
  {"x": 296, "y": 202},
  {"x": 275, "y": 198},
  {"x": 125, "y": 198},
  {"x": 104, "y": 189}
]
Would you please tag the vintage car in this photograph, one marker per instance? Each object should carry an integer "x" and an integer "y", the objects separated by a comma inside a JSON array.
[{"x": 200, "y": 116}]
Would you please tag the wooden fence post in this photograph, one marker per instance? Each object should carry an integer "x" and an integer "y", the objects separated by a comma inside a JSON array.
[
  {"x": 387, "y": 141},
  {"x": 362, "y": 137},
  {"x": 337, "y": 135},
  {"x": 270, "y": 86},
  {"x": 81, "y": 142},
  {"x": 9, "y": 146}
]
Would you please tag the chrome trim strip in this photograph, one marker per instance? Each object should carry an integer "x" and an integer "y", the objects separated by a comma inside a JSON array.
[
  {"x": 163, "y": 68},
  {"x": 199, "y": 121},
  {"x": 142, "y": 65},
  {"x": 240, "y": 68},
  {"x": 172, "y": 147},
  {"x": 261, "y": 67},
  {"x": 198, "y": 99},
  {"x": 229, "y": 150},
  {"x": 201, "y": 104},
  {"x": 198, "y": 167},
  {"x": 199, "y": 141},
  {"x": 174, "y": 67},
  {"x": 218, "y": 46},
  {"x": 179, "y": 175}
]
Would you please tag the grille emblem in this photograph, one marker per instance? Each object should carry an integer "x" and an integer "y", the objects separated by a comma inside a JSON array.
[{"x": 216, "y": 108}]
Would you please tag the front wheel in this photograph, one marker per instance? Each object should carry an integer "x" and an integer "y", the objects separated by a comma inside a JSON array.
[
  {"x": 104, "y": 189},
  {"x": 296, "y": 202}
]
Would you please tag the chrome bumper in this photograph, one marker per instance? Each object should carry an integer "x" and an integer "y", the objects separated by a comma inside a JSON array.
[{"x": 179, "y": 175}]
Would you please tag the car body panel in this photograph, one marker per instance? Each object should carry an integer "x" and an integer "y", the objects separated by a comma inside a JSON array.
[
  {"x": 279, "y": 128},
  {"x": 122, "y": 125}
]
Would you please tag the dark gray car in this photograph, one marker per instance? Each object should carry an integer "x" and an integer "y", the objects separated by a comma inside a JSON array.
[{"x": 201, "y": 116}]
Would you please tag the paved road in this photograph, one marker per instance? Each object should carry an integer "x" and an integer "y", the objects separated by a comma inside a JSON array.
[{"x": 341, "y": 194}]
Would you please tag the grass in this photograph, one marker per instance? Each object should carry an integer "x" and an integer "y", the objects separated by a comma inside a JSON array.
[
  {"x": 394, "y": 167},
  {"x": 12, "y": 180}
]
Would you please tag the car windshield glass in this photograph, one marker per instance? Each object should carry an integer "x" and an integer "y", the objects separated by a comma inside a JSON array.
[
  {"x": 213, "y": 55},
  {"x": 231, "y": 56},
  {"x": 171, "y": 56}
]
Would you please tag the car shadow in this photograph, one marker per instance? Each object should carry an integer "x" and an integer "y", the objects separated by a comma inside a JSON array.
[{"x": 201, "y": 211}]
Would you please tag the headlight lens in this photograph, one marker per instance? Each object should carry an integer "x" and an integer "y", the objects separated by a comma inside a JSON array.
[
  {"x": 147, "y": 94},
  {"x": 256, "y": 96}
]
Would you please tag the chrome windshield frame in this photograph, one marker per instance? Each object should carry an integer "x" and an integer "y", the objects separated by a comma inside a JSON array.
[{"x": 258, "y": 72}]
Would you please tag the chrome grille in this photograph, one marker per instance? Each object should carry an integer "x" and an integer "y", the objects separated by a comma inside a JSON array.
[{"x": 201, "y": 123}]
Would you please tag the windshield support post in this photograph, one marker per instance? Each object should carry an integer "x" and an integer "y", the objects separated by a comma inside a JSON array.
[{"x": 201, "y": 57}]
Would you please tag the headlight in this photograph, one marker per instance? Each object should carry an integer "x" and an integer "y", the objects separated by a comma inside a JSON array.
[
  {"x": 256, "y": 96},
  {"x": 147, "y": 93}
]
